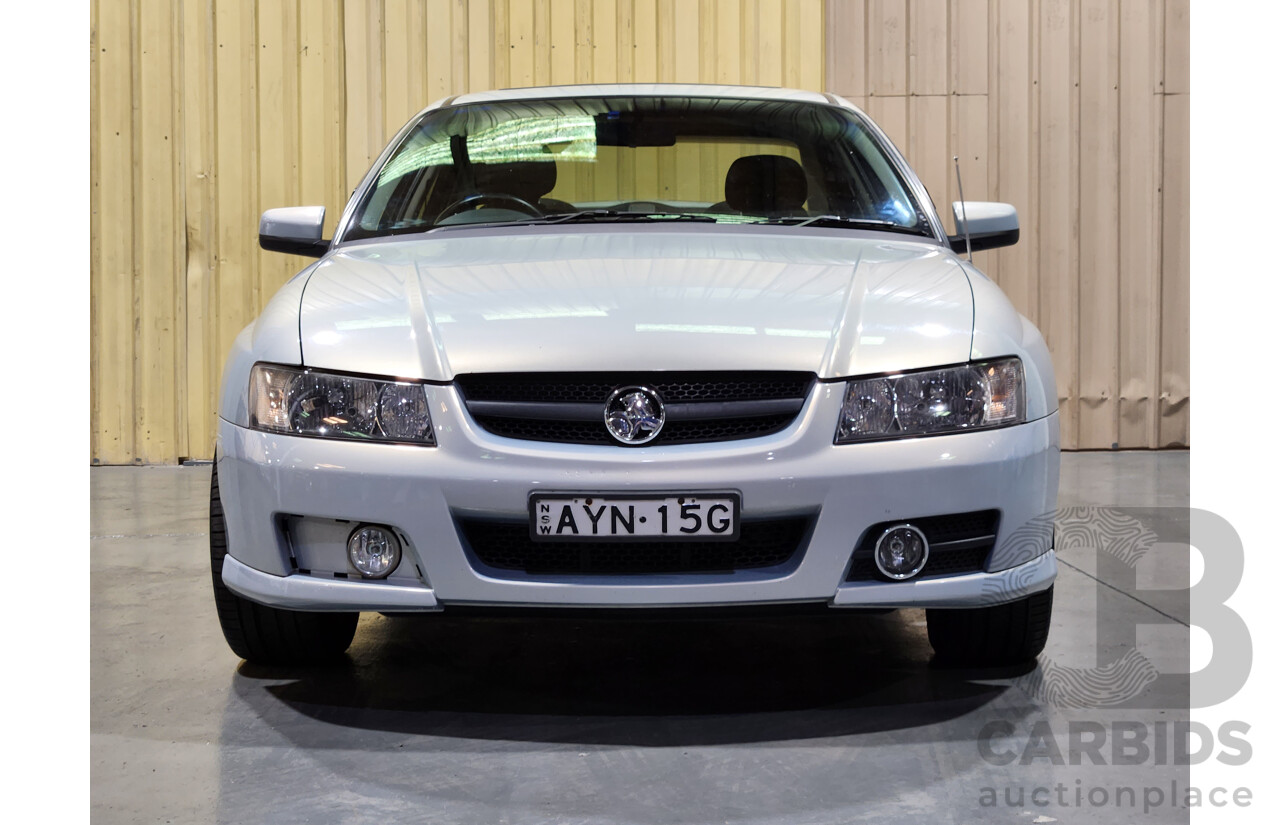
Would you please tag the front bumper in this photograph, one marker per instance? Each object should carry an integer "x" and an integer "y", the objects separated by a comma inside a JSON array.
[
  {"x": 270, "y": 482},
  {"x": 298, "y": 592}
]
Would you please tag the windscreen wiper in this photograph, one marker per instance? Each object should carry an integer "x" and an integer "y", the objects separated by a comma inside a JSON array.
[
  {"x": 614, "y": 216},
  {"x": 843, "y": 222},
  {"x": 584, "y": 216}
]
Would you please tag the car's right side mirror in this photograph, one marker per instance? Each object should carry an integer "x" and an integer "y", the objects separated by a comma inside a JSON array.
[
  {"x": 295, "y": 229},
  {"x": 990, "y": 224}
]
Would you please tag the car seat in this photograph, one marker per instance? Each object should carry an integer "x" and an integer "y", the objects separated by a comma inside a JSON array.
[{"x": 766, "y": 185}]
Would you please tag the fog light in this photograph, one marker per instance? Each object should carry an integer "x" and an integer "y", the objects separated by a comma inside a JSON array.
[
  {"x": 901, "y": 552},
  {"x": 373, "y": 550}
]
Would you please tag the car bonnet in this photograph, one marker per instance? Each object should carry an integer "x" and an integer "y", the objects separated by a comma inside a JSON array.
[{"x": 537, "y": 299}]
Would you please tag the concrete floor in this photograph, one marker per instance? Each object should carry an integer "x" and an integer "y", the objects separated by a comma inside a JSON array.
[{"x": 786, "y": 720}]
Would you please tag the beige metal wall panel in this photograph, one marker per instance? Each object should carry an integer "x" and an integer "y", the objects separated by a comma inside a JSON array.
[
  {"x": 1175, "y": 228},
  {"x": 1075, "y": 111},
  {"x": 1099, "y": 334},
  {"x": 1058, "y": 168},
  {"x": 112, "y": 269},
  {"x": 1141, "y": 121}
]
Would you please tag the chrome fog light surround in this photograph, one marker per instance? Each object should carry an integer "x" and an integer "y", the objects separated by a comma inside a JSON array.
[
  {"x": 901, "y": 552},
  {"x": 373, "y": 550}
]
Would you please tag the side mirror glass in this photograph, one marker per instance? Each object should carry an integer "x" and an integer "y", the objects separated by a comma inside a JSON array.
[
  {"x": 295, "y": 229},
  {"x": 991, "y": 225}
]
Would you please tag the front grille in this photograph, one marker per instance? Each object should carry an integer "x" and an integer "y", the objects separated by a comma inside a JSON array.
[
  {"x": 761, "y": 543},
  {"x": 958, "y": 543},
  {"x": 674, "y": 387},
  {"x": 569, "y": 407},
  {"x": 674, "y": 432}
]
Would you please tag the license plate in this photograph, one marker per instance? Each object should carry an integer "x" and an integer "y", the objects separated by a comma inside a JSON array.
[{"x": 704, "y": 516}]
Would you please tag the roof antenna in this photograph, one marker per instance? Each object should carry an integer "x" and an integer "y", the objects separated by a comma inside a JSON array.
[{"x": 964, "y": 213}]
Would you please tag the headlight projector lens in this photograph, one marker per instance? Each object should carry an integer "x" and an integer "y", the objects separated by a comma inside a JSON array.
[
  {"x": 901, "y": 552},
  {"x": 373, "y": 550}
]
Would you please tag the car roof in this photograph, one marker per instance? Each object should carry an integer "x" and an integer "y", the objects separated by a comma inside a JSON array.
[{"x": 642, "y": 89}]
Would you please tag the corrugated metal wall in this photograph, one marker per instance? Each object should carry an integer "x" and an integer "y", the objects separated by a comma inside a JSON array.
[
  {"x": 1075, "y": 111},
  {"x": 205, "y": 112}
]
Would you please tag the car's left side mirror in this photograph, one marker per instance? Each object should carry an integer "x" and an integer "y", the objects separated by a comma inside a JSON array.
[
  {"x": 295, "y": 229},
  {"x": 991, "y": 225}
]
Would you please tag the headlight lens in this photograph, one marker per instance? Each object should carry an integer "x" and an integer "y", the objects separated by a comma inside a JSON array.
[
  {"x": 971, "y": 397},
  {"x": 306, "y": 402}
]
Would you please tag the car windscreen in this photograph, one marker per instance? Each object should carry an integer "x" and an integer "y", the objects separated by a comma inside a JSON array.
[{"x": 715, "y": 160}]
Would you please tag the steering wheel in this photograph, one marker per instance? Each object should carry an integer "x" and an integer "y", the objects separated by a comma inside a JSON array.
[{"x": 497, "y": 199}]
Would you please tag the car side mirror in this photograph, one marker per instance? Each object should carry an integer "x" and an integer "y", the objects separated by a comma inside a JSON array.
[
  {"x": 991, "y": 225},
  {"x": 295, "y": 229}
]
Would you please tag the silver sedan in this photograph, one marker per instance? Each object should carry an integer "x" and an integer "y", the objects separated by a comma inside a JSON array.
[{"x": 644, "y": 347}]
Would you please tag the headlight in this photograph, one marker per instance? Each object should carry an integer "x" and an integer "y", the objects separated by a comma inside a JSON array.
[
  {"x": 971, "y": 397},
  {"x": 326, "y": 405}
]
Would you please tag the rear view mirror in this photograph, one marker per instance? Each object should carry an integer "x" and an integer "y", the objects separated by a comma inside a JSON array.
[
  {"x": 295, "y": 229},
  {"x": 631, "y": 129},
  {"x": 991, "y": 225}
]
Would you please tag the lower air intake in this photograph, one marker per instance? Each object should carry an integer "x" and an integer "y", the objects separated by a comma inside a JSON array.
[{"x": 762, "y": 543}]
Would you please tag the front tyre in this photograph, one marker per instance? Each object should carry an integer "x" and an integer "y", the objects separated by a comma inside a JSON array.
[
  {"x": 1003, "y": 634},
  {"x": 269, "y": 635}
]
